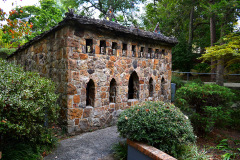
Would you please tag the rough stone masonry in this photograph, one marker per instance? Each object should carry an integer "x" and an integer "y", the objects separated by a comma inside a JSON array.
[{"x": 100, "y": 68}]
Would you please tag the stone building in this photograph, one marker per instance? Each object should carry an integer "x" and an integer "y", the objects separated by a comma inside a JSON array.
[{"x": 100, "y": 68}]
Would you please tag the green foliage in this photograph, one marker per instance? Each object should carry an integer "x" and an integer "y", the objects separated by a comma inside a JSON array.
[
  {"x": 197, "y": 81},
  {"x": 24, "y": 23},
  {"x": 227, "y": 50},
  {"x": 120, "y": 150},
  {"x": 159, "y": 124},
  {"x": 182, "y": 56},
  {"x": 192, "y": 152},
  {"x": 27, "y": 150},
  {"x": 234, "y": 68},
  {"x": 197, "y": 96},
  {"x": 202, "y": 68},
  {"x": 26, "y": 101},
  {"x": 231, "y": 152},
  {"x": 205, "y": 104},
  {"x": 4, "y": 52},
  {"x": 47, "y": 15},
  {"x": 124, "y": 10}
]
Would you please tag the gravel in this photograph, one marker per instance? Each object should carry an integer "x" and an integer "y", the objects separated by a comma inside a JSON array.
[{"x": 95, "y": 145}]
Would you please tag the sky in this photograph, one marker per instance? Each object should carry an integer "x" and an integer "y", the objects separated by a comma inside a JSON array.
[{"x": 7, "y": 5}]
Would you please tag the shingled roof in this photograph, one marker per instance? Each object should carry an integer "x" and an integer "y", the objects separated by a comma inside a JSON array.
[{"x": 72, "y": 18}]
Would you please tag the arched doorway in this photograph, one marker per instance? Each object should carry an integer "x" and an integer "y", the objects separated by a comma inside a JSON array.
[
  {"x": 163, "y": 92},
  {"x": 90, "y": 93},
  {"x": 113, "y": 91},
  {"x": 133, "y": 86},
  {"x": 150, "y": 87}
]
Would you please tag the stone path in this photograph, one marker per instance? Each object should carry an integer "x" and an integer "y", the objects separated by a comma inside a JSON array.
[{"x": 95, "y": 145}]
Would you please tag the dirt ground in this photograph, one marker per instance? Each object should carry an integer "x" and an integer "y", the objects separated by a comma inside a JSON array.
[{"x": 212, "y": 141}]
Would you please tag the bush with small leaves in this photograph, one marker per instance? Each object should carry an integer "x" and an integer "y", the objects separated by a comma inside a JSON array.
[
  {"x": 26, "y": 102},
  {"x": 159, "y": 124},
  {"x": 205, "y": 104}
]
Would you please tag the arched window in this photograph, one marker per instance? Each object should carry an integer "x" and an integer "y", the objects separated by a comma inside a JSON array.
[
  {"x": 150, "y": 87},
  {"x": 133, "y": 86},
  {"x": 90, "y": 93},
  {"x": 113, "y": 91},
  {"x": 163, "y": 82}
]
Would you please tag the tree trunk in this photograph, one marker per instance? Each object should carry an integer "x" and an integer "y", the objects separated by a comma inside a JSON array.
[
  {"x": 190, "y": 38},
  {"x": 213, "y": 40},
  {"x": 220, "y": 64},
  {"x": 220, "y": 72}
]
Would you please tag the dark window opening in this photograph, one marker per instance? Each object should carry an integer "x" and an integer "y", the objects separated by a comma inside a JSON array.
[
  {"x": 159, "y": 54},
  {"x": 133, "y": 86},
  {"x": 149, "y": 55},
  {"x": 90, "y": 93},
  {"x": 141, "y": 52},
  {"x": 156, "y": 53},
  {"x": 114, "y": 48},
  {"x": 163, "y": 52},
  {"x": 89, "y": 45},
  {"x": 103, "y": 47},
  {"x": 151, "y": 87},
  {"x": 124, "y": 50},
  {"x": 113, "y": 91},
  {"x": 133, "y": 50}
]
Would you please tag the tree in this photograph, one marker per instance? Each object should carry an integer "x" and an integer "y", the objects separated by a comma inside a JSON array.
[
  {"x": 185, "y": 21},
  {"x": 24, "y": 23},
  {"x": 227, "y": 49},
  {"x": 226, "y": 13},
  {"x": 43, "y": 17},
  {"x": 201, "y": 22},
  {"x": 123, "y": 8},
  {"x": 15, "y": 30}
]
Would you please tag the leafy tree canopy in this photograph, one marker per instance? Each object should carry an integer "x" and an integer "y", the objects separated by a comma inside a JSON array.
[
  {"x": 124, "y": 9},
  {"x": 227, "y": 50},
  {"x": 24, "y": 23}
]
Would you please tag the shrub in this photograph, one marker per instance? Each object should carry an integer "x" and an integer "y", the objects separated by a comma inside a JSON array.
[
  {"x": 197, "y": 81},
  {"x": 4, "y": 52},
  {"x": 159, "y": 124},
  {"x": 205, "y": 104},
  {"x": 26, "y": 102}
]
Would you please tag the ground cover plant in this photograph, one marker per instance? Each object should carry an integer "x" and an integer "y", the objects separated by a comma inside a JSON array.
[
  {"x": 27, "y": 107},
  {"x": 159, "y": 124}
]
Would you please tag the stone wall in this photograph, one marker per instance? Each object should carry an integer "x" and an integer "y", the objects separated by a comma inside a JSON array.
[
  {"x": 101, "y": 68},
  {"x": 48, "y": 57},
  {"x": 83, "y": 79}
]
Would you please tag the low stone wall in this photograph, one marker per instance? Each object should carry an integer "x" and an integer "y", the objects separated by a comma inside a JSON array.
[{"x": 141, "y": 151}]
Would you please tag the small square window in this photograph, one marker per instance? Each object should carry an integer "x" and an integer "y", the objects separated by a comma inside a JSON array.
[
  {"x": 89, "y": 46},
  {"x": 124, "y": 50},
  {"x": 149, "y": 54},
  {"x": 163, "y": 52},
  {"x": 102, "y": 47},
  {"x": 114, "y": 48},
  {"x": 141, "y": 52},
  {"x": 156, "y": 53},
  {"x": 133, "y": 50}
]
